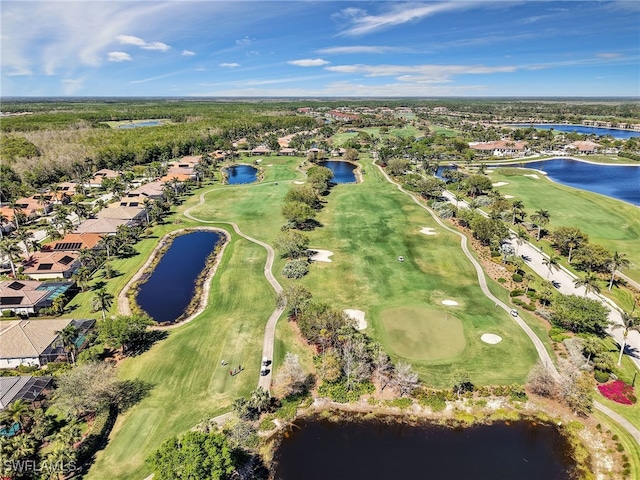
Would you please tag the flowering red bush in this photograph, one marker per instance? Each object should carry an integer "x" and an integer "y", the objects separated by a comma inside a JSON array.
[{"x": 618, "y": 391}]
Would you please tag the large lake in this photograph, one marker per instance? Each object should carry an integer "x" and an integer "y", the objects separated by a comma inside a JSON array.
[
  {"x": 169, "y": 289},
  {"x": 617, "y": 181},
  {"x": 583, "y": 130},
  {"x": 343, "y": 172},
  {"x": 239, "y": 174},
  {"x": 374, "y": 450}
]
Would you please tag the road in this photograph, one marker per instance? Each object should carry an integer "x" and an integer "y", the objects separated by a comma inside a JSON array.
[{"x": 564, "y": 281}]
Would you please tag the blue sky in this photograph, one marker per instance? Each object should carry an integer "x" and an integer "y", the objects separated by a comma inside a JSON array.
[{"x": 320, "y": 48}]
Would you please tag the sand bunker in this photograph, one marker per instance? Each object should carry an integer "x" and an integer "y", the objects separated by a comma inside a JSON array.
[
  {"x": 531, "y": 175},
  {"x": 259, "y": 160},
  {"x": 509, "y": 196},
  {"x": 358, "y": 316},
  {"x": 449, "y": 302},
  {"x": 320, "y": 255},
  {"x": 428, "y": 231},
  {"x": 500, "y": 184},
  {"x": 298, "y": 183},
  {"x": 270, "y": 165},
  {"x": 489, "y": 170},
  {"x": 491, "y": 338}
]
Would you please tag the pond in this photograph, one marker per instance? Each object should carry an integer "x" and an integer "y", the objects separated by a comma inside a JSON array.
[
  {"x": 148, "y": 123},
  {"x": 343, "y": 172},
  {"x": 170, "y": 288},
  {"x": 584, "y": 130},
  {"x": 617, "y": 181},
  {"x": 239, "y": 174},
  {"x": 376, "y": 450}
]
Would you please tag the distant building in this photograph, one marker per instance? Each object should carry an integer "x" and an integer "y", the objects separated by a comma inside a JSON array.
[
  {"x": 584, "y": 148},
  {"x": 100, "y": 175},
  {"x": 500, "y": 148}
]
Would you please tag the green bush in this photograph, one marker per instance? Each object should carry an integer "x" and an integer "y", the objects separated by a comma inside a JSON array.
[
  {"x": 558, "y": 334},
  {"x": 526, "y": 306},
  {"x": 267, "y": 424},
  {"x": 495, "y": 254},
  {"x": 516, "y": 292},
  {"x": 401, "y": 403},
  {"x": 600, "y": 376},
  {"x": 338, "y": 392},
  {"x": 502, "y": 280},
  {"x": 8, "y": 313},
  {"x": 295, "y": 269},
  {"x": 516, "y": 277}
]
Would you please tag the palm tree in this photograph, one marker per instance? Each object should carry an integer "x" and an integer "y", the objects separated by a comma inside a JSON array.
[
  {"x": 521, "y": 238},
  {"x": 552, "y": 263},
  {"x": 517, "y": 210},
  {"x": 629, "y": 323},
  {"x": 102, "y": 300},
  {"x": 68, "y": 336},
  {"x": 458, "y": 197},
  {"x": 3, "y": 219},
  {"x": 618, "y": 260},
  {"x": 10, "y": 249},
  {"x": 540, "y": 218},
  {"x": 17, "y": 412},
  {"x": 17, "y": 210},
  {"x": 589, "y": 282},
  {"x": 82, "y": 277},
  {"x": 527, "y": 278}
]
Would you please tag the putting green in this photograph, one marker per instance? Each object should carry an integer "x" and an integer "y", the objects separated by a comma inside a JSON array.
[{"x": 423, "y": 333}]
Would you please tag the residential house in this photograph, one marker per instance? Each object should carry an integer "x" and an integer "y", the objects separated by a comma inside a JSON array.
[
  {"x": 46, "y": 265},
  {"x": 64, "y": 191},
  {"x": 132, "y": 215},
  {"x": 26, "y": 297},
  {"x": 36, "y": 342},
  {"x": 583, "y": 148},
  {"x": 151, "y": 190},
  {"x": 102, "y": 226},
  {"x": 74, "y": 242},
  {"x": 100, "y": 175},
  {"x": 500, "y": 148},
  {"x": 288, "y": 152},
  {"x": 32, "y": 207},
  {"x": 338, "y": 152},
  {"x": 261, "y": 150}
]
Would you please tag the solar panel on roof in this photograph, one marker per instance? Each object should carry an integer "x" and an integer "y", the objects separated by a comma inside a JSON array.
[
  {"x": 68, "y": 246},
  {"x": 66, "y": 260},
  {"x": 16, "y": 286},
  {"x": 10, "y": 300},
  {"x": 45, "y": 266}
]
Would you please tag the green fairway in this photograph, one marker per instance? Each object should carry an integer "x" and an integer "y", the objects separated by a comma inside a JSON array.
[
  {"x": 189, "y": 382},
  {"x": 609, "y": 222},
  {"x": 368, "y": 226},
  {"x": 423, "y": 333}
]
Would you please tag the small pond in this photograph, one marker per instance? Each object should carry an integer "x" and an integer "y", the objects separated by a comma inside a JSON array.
[
  {"x": 148, "y": 123},
  {"x": 617, "y": 181},
  {"x": 238, "y": 174},
  {"x": 584, "y": 130},
  {"x": 169, "y": 289},
  {"x": 374, "y": 450},
  {"x": 343, "y": 172}
]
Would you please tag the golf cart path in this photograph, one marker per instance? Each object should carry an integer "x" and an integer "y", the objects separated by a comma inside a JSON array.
[
  {"x": 539, "y": 346},
  {"x": 270, "y": 328}
]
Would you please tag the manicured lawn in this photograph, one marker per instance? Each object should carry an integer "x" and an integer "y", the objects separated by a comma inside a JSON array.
[
  {"x": 611, "y": 223},
  {"x": 423, "y": 333},
  {"x": 189, "y": 382}
]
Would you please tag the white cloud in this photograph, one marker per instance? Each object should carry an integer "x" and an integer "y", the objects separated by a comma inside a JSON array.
[
  {"x": 229, "y": 65},
  {"x": 419, "y": 73},
  {"x": 188, "y": 53},
  {"x": 363, "y": 23},
  {"x": 309, "y": 62},
  {"x": 244, "y": 41},
  {"x": 138, "y": 42},
  {"x": 119, "y": 57},
  {"x": 359, "y": 49}
]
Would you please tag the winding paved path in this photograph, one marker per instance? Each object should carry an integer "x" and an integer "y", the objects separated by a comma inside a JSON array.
[
  {"x": 270, "y": 328},
  {"x": 539, "y": 346}
]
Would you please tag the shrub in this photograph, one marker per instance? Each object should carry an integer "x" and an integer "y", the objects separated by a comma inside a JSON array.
[
  {"x": 401, "y": 403},
  {"x": 600, "y": 376},
  {"x": 516, "y": 292},
  {"x": 296, "y": 269},
  {"x": 338, "y": 392},
  {"x": 495, "y": 254},
  {"x": 558, "y": 334},
  {"x": 516, "y": 277},
  {"x": 8, "y": 313},
  {"x": 502, "y": 280},
  {"x": 524, "y": 305},
  {"x": 619, "y": 392}
]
